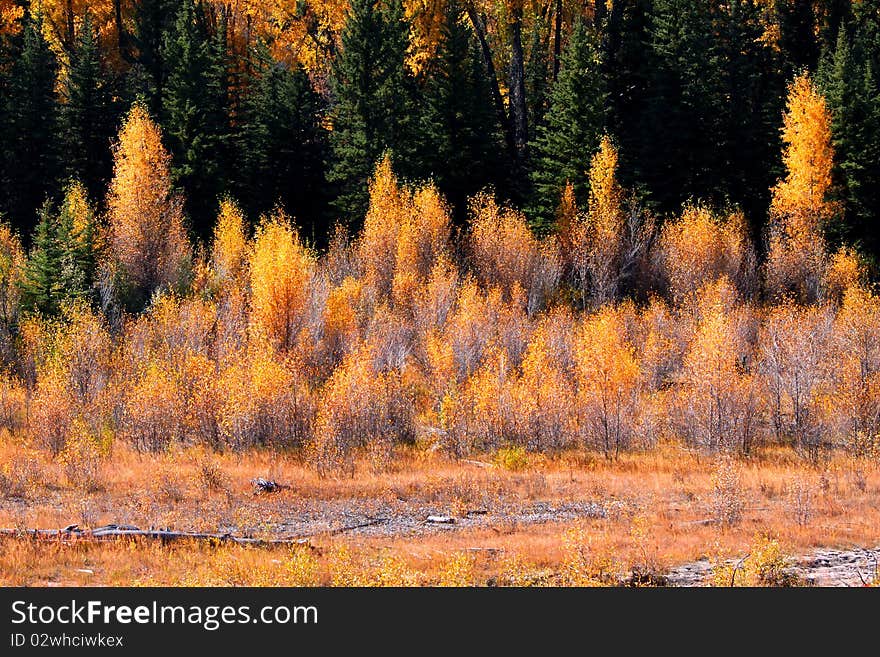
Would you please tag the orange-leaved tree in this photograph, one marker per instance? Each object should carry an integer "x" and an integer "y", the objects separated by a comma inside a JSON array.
[
  {"x": 146, "y": 235},
  {"x": 281, "y": 273},
  {"x": 800, "y": 207}
]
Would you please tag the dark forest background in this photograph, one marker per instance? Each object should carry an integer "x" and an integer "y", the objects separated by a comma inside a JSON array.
[{"x": 509, "y": 96}]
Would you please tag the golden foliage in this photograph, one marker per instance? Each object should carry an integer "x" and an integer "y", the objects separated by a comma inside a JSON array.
[
  {"x": 281, "y": 273},
  {"x": 799, "y": 208},
  {"x": 146, "y": 237},
  {"x": 12, "y": 260},
  {"x": 699, "y": 248},
  {"x": 506, "y": 254},
  {"x": 608, "y": 375},
  {"x": 229, "y": 247},
  {"x": 808, "y": 157}
]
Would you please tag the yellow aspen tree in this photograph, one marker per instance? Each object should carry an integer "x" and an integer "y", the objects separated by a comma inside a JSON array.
[
  {"x": 700, "y": 248},
  {"x": 281, "y": 274},
  {"x": 146, "y": 234},
  {"x": 377, "y": 246},
  {"x": 799, "y": 208},
  {"x": 608, "y": 240},
  {"x": 856, "y": 400},
  {"x": 544, "y": 401},
  {"x": 608, "y": 375},
  {"x": 717, "y": 400},
  {"x": 506, "y": 254},
  {"x": 229, "y": 247},
  {"x": 422, "y": 239},
  {"x": 605, "y": 217},
  {"x": 12, "y": 260}
]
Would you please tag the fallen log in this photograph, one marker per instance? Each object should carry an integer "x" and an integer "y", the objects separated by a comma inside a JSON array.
[{"x": 117, "y": 532}]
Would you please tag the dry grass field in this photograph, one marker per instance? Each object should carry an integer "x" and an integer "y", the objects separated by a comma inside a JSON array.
[{"x": 573, "y": 519}]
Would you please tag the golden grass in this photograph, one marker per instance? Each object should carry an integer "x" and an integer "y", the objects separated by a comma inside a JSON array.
[{"x": 657, "y": 506}]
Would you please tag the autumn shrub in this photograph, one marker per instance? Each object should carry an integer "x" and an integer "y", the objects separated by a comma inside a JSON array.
[
  {"x": 359, "y": 406},
  {"x": 718, "y": 402},
  {"x": 13, "y": 404},
  {"x": 604, "y": 247},
  {"x": 544, "y": 398},
  {"x": 700, "y": 248},
  {"x": 263, "y": 401},
  {"x": 608, "y": 383},
  {"x": 765, "y": 565},
  {"x": 12, "y": 261},
  {"x": 153, "y": 410},
  {"x": 727, "y": 501},
  {"x": 506, "y": 254},
  {"x": 20, "y": 476},
  {"x": 512, "y": 458},
  {"x": 855, "y": 353},
  {"x": 83, "y": 456},
  {"x": 281, "y": 275},
  {"x": 793, "y": 370}
]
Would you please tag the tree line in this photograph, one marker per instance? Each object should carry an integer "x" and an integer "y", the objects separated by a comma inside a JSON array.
[
  {"x": 511, "y": 96},
  {"x": 615, "y": 332}
]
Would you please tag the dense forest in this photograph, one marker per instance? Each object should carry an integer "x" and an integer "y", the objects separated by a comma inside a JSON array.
[
  {"x": 293, "y": 103},
  {"x": 470, "y": 225}
]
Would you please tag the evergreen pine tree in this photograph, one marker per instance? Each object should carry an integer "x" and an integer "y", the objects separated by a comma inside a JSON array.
[
  {"x": 283, "y": 143},
  {"x": 61, "y": 263},
  {"x": 373, "y": 101},
  {"x": 195, "y": 112},
  {"x": 626, "y": 65},
  {"x": 31, "y": 165},
  {"x": 462, "y": 141},
  {"x": 754, "y": 88},
  {"x": 153, "y": 19},
  {"x": 683, "y": 135},
  {"x": 797, "y": 35},
  {"x": 853, "y": 96},
  {"x": 572, "y": 130},
  {"x": 40, "y": 288},
  {"x": 87, "y": 115}
]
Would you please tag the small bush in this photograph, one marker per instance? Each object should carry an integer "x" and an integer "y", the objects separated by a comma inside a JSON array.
[
  {"x": 512, "y": 458},
  {"x": 727, "y": 493}
]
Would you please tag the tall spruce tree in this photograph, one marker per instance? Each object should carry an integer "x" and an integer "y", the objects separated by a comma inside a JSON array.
[
  {"x": 626, "y": 61},
  {"x": 31, "y": 164},
  {"x": 797, "y": 35},
  {"x": 283, "y": 143},
  {"x": 754, "y": 88},
  {"x": 152, "y": 19},
  {"x": 61, "y": 264},
  {"x": 683, "y": 137},
  {"x": 88, "y": 114},
  {"x": 195, "y": 111},
  {"x": 373, "y": 95},
  {"x": 572, "y": 130},
  {"x": 853, "y": 96},
  {"x": 40, "y": 287},
  {"x": 462, "y": 144}
]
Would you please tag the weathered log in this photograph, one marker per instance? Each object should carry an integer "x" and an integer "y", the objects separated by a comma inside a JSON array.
[{"x": 115, "y": 532}]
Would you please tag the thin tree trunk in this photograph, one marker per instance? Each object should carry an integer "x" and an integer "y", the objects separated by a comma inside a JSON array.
[
  {"x": 518, "y": 106},
  {"x": 557, "y": 39},
  {"x": 497, "y": 100}
]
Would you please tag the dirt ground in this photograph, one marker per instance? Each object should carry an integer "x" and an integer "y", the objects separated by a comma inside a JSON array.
[{"x": 669, "y": 516}]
